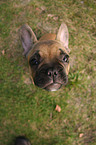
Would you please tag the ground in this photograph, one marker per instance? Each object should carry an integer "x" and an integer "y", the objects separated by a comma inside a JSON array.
[{"x": 30, "y": 111}]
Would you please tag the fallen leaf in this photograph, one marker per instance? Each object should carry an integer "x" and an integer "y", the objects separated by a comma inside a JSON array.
[
  {"x": 43, "y": 8},
  {"x": 3, "y": 52},
  {"x": 55, "y": 18},
  {"x": 58, "y": 108},
  {"x": 50, "y": 15},
  {"x": 81, "y": 135},
  {"x": 37, "y": 9}
]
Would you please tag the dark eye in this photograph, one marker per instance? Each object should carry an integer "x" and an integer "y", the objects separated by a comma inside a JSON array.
[
  {"x": 34, "y": 62},
  {"x": 66, "y": 58}
]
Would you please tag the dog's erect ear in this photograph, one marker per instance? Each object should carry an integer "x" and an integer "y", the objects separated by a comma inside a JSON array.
[
  {"x": 63, "y": 35},
  {"x": 28, "y": 38}
]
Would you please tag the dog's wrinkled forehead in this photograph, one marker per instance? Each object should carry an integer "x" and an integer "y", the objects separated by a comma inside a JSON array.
[{"x": 47, "y": 49}]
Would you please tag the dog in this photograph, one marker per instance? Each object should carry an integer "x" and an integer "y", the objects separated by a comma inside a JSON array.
[{"x": 48, "y": 57}]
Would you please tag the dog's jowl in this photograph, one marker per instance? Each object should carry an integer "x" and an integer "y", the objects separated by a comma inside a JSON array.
[{"x": 48, "y": 57}]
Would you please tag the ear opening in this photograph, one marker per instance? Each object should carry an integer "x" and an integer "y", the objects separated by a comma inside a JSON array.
[
  {"x": 63, "y": 36},
  {"x": 28, "y": 38}
]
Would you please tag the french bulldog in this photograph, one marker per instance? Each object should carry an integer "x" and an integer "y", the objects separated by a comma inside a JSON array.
[{"x": 48, "y": 57}]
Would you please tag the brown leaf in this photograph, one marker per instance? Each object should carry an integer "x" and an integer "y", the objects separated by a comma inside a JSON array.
[
  {"x": 43, "y": 8},
  {"x": 37, "y": 9},
  {"x": 50, "y": 15},
  {"x": 81, "y": 135},
  {"x": 55, "y": 18},
  {"x": 58, "y": 108},
  {"x": 3, "y": 52}
]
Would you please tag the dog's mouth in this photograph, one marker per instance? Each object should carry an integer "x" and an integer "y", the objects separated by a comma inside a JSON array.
[{"x": 53, "y": 87}]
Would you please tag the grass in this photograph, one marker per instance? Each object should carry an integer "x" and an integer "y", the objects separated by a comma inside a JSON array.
[{"x": 30, "y": 111}]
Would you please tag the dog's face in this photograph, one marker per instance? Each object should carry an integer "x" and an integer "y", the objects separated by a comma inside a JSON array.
[
  {"x": 49, "y": 65},
  {"x": 48, "y": 59}
]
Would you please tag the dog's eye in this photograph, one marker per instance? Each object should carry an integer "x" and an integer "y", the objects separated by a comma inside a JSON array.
[
  {"x": 66, "y": 58},
  {"x": 34, "y": 62}
]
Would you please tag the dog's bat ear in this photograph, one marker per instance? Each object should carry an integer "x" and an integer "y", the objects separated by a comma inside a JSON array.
[
  {"x": 63, "y": 35},
  {"x": 28, "y": 38}
]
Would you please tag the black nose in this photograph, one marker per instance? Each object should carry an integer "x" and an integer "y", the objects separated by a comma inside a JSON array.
[{"x": 52, "y": 72}]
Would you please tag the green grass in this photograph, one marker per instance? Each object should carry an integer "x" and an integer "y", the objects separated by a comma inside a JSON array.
[{"x": 30, "y": 111}]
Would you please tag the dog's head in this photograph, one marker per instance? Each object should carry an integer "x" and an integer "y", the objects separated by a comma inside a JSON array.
[{"x": 48, "y": 58}]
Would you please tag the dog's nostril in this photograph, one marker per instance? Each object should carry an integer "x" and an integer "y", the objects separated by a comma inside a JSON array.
[
  {"x": 55, "y": 73},
  {"x": 49, "y": 73}
]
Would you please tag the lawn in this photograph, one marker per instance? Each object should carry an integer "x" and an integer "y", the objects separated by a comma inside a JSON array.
[{"x": 30, "y": 111}]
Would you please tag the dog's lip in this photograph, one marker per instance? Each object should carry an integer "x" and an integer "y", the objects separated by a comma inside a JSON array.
[{"x": 53, "y": 87}]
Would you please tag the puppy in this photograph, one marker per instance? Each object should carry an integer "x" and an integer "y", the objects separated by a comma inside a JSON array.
[{"x": 48, "y": 57}]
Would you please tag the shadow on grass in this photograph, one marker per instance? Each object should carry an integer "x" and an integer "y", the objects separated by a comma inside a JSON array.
[{"x": 37, "y": 141}]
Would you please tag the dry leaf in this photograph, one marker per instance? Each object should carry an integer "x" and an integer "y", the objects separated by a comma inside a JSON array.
[
  {"x": 55, "y": 18},
  {"x": 81, "y": 135},
  {"x": 50, "y": 15},
  {"x": 58, "y": 108},
  {"x": 3, "y": 51},
  {"x": 43, "y": 8},
  {"x": 37, "y": 9}
]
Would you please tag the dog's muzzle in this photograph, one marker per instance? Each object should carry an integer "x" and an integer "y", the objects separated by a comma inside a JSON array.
[{"x": 51, "y": 77}]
